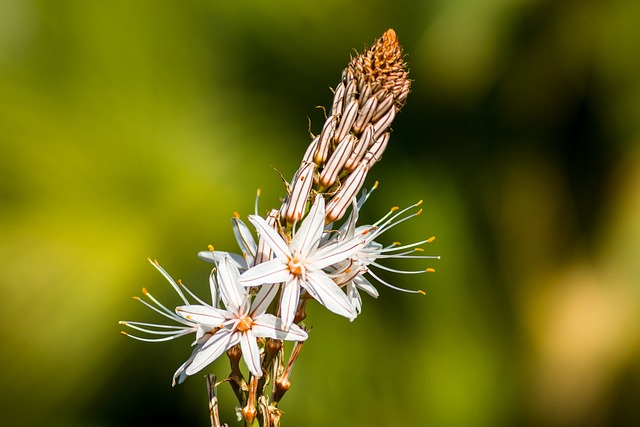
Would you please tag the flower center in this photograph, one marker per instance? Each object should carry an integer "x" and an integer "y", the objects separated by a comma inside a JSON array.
[
  {"x": 296, "y": 266},
  {"x": 245, "y": 324}
]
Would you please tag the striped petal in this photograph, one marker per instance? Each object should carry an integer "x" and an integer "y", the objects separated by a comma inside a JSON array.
[
  {"x": 232, "y": 292},
  {"x": 212, "y": 349},
  {"x": 270, "y": 326},
  {"x": 289, "y": 303},
  {"x": 270, "y": 236},
  {"x": 251, "y": 353},
  {"x": 308, "y": 235},
  {"x": 272, "y": 271},
  {"x": 321, "y": 287},
  {"x": 203, "y": 315}
]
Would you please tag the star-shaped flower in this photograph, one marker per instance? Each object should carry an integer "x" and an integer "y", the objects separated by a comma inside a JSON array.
[
  {"x": 240, "y": 322},
  {"x": 300, "y": 263}
]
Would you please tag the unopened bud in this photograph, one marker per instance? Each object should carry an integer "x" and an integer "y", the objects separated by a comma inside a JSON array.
[
  {"x": 337, "y": 206},
  {"x": 296, "y": 201},
  {"x": 346, "y": 121},
  {"x": 311, "y": 151},
  {"x": 338, "y": 100},
  {"x": 375, "y": 151},
  {"x": 336, "y": 162},
  {"x": 365, "y": 114},
  {"x": 383, "y": 124},
  {"x": 324, "y": 142},
  {"x": 360, "y": 148}
]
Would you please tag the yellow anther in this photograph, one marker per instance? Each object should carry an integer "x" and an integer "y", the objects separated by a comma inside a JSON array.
[
  {"x": 419, "y": 203},
  {"x": 430, "y": 270},
  {"x": 210, "y": 248},
  {"x": 375, "y": 185},
  {"x": 419, "y": 212},
  {"x": 421, "y": 292},
  {"x": 180, "y": 282},
  {"x": 419, "y": 249},
  {"x": 258, "y": 192},
  {"x": 431, "y": 239},
  {"x": 144, "y": 291},
  {"x": 237, "y": 215},
  {"x": 395, "y": 208}
]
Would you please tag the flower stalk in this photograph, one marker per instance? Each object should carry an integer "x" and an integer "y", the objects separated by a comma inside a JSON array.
[{"x": 308, "y": 250}]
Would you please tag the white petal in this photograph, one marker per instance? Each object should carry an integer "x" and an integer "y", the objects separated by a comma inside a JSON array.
[
  {"x": 354, "y": 296},
  {"x": 251, "y": 353},
  {"x": 308, "y": 236},
  {"x": 212, "y": 349},
  {"x": 217, "y": 256},
  {"x": 180, "y": 373},
  {"x": 362, "y": 283},
  {"x": 329, "y": 294},
  {"x": 270, "y": 236},
  {"x": 289, "y": 303},
  {"x": 270, "y": 326},
  {"x": 272, "y": 271},
  {"x": 334, "y": 253},
  {"x": 233, "y": 293},
  {"x": 263, "y": 299},
  {"x": 203, "y": 315},
  {"x": 213, "y": 286},
  {"x": 244, "y": 238}
]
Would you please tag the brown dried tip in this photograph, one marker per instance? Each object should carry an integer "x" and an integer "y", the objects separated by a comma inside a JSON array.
[{"x": 383, "y": 67}]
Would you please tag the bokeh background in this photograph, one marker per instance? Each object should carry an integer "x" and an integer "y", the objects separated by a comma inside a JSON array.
[{"x": 134, "y": 129}]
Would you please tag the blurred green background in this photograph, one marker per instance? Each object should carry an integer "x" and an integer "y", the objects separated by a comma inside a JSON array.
[{"x": 134, "y": 129}]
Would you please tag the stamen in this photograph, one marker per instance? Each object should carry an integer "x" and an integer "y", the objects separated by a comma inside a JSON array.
[
  {"x": 255, "y": 207},
  {"x": 210, "y": 248},
  {"x": 245, "y": 324},
  {"x": 296, "y": 266},
  {"x": 170, "y": 280},
  {"x": 393, "y": 270},
  {"x": 390, "y": 285}
]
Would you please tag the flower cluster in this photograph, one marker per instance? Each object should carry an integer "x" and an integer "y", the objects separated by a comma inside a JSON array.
[{"x": 301, "y": 252}]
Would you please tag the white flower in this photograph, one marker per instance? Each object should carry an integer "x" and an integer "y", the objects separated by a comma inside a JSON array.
[
  {"x": 240, "y": 322},
  {"x": 300, "y": 264},
  {"x": 217, "y": 329},
  {"x": 350, "y": 273}
]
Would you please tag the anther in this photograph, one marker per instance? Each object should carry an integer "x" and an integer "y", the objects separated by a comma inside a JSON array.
[
  {"x": 430, "y": 270},
  {"x": 210, "y": 248},
  {"x": 431, "y": 239}
]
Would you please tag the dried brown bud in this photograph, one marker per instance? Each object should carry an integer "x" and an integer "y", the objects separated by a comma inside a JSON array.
[{"x": 383, "y": 68}]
